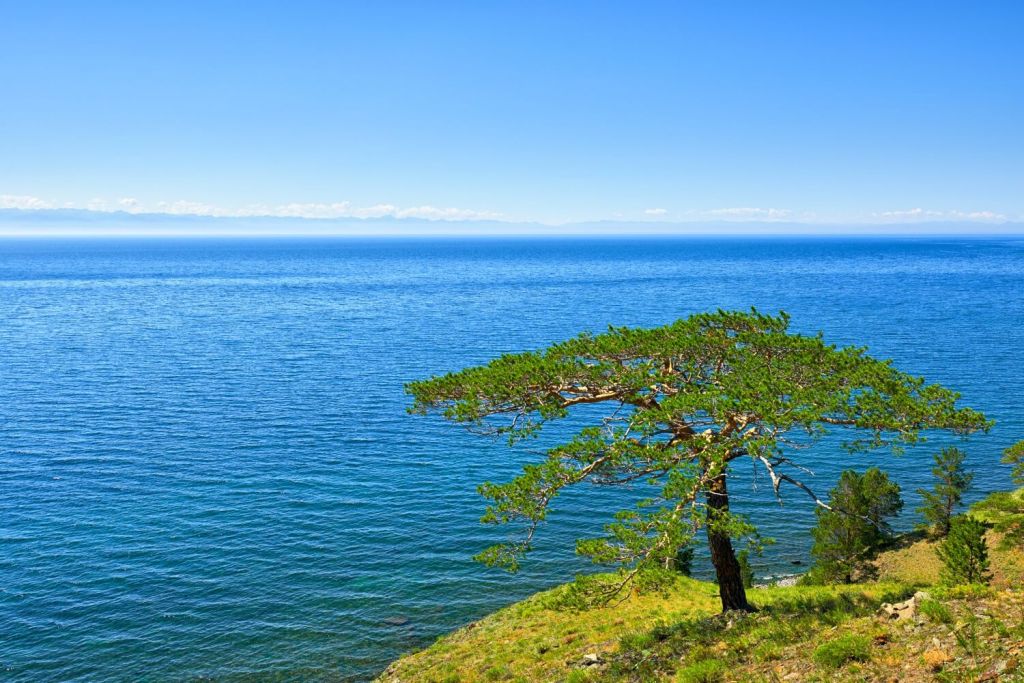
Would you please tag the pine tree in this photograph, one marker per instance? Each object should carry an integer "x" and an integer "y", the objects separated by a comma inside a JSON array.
[
  {"x": 1014, "y": 455},
  {"x": 678, "y": 407},
  {"x": 951, "y": 482},
  {"x": 964, "y": 553},
  {"x": 1011, "y": 522},
  {"x": 849, "y": 534},
  {"x": 683, "y": 560}
]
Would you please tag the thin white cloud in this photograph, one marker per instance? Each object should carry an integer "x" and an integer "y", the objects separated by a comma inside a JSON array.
[
  {"x": 750, "y": 213},
  {"x": 23, "y": 202},
  {"x": 445, "y": 214},
  {"x": 346, "y": 209},
  {"x": 910, "y": 213},
  {"x": 919, "y": 213},
  {"x": 983, "y": 216},
  {"x": 326, "y": 210}
]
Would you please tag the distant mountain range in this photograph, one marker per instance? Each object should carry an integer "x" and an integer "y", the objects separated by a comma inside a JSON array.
[{"x": 78, "y": 222}]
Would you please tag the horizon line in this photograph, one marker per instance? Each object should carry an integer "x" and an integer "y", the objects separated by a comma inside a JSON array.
[{"x": 77, "y": 222}]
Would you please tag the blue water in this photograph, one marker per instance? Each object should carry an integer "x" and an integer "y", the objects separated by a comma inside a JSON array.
[{"x": 206, "y": 470}]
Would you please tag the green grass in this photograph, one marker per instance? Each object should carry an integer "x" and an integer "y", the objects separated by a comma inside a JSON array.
[
  {"x": 916, "y": 563},
  {"x": 1000, "y": 507},
  {"x": 540, "y": 639},
  {"x": 1004, "y": 513},
  {"x": 851, "y": 647},
  {"x": 786, "y": 617},
  {"x": 704, "y": 671},
  {"x": 808, "y": 633},
  {"x": 936, "y": 611}
]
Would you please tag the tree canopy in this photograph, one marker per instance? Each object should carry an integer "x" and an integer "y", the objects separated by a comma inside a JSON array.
[
  {"x": 683, "y": 401},
  {"x": 1014, "y": 455},
  {"x": 964, "y": 553},
  {"x": 850, "y": 533},
  {"x": 951, "y": 482}
]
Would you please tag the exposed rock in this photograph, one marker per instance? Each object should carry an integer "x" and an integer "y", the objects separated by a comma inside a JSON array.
[
  {"x": 591, "y": 659},
  {"x": 397, "y": 620},
  {"x": 903, "y": 610}
]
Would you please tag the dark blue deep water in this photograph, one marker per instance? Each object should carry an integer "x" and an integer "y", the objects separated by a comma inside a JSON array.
[{"x": 206, "y": 470}]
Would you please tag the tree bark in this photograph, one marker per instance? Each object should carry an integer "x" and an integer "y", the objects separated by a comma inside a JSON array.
[{"x": 723, "y": 557}]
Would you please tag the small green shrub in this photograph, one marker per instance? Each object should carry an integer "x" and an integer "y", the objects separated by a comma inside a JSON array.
[
  {"x": 746, "y": 571},
  {"x": 967, "y": 636},
  {"x": 1004, "y": 511},
  {"x": 936, "y": 611},
  {"x": 704, "y": 671},
  {"x": 847, "y": 648},
  {"x": 497, "y": 673},
  {"x": 999, "y": 627},
  {"x": 964, "y": 553},
  {"x": 767, "y": 652},
  {"x": 965, "y": 592},
  {"x": 639, "y": 640},
  {"x": 1000, "y": 501}
]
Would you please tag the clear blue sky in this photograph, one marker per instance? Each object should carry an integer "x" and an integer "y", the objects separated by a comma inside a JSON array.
[{"x": 528, "y": 111}]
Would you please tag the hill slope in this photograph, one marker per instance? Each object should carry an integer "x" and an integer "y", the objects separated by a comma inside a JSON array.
[{"x": 802, "y": 633}]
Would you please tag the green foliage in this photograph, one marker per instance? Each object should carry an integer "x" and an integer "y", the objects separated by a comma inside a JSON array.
[
  {"x": 846, "y": 648},
  {"x": 787, "y": 616},
  {"x": 683, "y": 561},
  {"x": 704, "y": 671},
  {"x": 936, "y": 611},
  {"x": 746, "y": 571},
  {"x": 578, "y": 676},
  {"x": 1014, "y": 455},
  {"x": 681, "y": 402},
  {"x": 964, "y": 553},
  {"x": 1004, "y": 512},
  {"x": 967, "y": 636},
  {"x": 849, "y": 534},
  {"x": 969, "y": 591},
  {"x": 497, "y": 673},
  {"x": 951, "y": 482}
]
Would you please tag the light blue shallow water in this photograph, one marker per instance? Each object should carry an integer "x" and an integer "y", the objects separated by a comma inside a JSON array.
[{"x": 206, "y": 470}]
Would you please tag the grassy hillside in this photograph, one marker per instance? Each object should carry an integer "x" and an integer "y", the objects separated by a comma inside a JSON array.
[
  {"x": 915, "y": 563},
  {"x": 802, "y": 633}
]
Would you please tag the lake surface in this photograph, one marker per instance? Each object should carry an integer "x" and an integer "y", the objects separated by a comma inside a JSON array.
[{"x": 207, "y": 471}]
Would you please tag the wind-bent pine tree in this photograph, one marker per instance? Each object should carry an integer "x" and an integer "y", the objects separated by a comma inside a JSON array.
[{"x": 682, "y": 403}]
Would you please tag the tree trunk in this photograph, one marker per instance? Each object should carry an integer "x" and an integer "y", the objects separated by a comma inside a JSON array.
[{"x": 727, "y": 567}]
